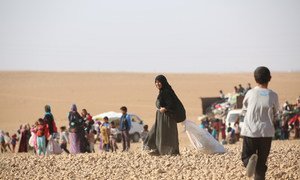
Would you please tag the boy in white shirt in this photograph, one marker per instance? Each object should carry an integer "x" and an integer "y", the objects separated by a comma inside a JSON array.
[{"x": 261, "y": 105}]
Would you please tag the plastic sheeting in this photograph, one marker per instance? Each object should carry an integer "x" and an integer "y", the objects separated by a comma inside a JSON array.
[{"x": 201, "y": 139}]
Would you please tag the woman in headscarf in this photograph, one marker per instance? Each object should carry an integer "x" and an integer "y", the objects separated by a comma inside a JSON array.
[
  {"x": 78, "y": 140},
  {"x": 49, "y": 121},
  {"x": 24, "y": 132},
  {"x": 163, "y": 136}
]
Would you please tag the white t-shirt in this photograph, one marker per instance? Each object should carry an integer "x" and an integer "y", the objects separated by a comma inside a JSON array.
[{"x": 261, "y": 106}]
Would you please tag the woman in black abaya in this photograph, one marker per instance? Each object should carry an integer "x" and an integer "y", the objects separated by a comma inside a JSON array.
[{"x": 163, "y": 136}]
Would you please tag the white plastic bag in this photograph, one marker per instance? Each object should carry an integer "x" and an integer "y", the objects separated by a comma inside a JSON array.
[{"x": 201, "y": 139}]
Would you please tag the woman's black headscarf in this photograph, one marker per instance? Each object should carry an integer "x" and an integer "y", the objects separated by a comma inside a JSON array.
[
  {"x": 163, "y": 80},
  {"x": 166, "y": 93}
]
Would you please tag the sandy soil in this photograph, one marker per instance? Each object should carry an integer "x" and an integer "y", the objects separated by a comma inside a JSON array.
[{"x": 191, "y": 164}]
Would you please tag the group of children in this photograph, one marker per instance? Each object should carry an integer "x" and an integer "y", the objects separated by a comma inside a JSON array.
[
  {"x": 8, "y": 142},
  {"x": 106, "y": 134}
]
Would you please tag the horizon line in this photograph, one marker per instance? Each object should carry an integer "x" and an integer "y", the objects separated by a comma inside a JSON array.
[{"x": 135, "y": 72}]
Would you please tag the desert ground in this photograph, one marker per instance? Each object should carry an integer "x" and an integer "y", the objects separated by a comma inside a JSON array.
[{"x": 24, "y": 94}]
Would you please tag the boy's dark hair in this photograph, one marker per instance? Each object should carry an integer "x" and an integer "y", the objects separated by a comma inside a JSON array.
[
  {"x": 262, "y": 75},
  {"x": 63, "y": 128},
  {"x": 123, "y": 108},
  {"x": 112, "y": 123},
  {"x": 105, "y": 118}
]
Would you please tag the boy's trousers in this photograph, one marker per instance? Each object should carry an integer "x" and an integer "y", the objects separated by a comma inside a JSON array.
[{"x": 260, "y": 146}]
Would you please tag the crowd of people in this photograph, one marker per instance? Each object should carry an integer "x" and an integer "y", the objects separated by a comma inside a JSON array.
[
  {"x": 43, "y": 137},
  {"x": 80, "y": 137},
  {"x": 287, "y": 120}
]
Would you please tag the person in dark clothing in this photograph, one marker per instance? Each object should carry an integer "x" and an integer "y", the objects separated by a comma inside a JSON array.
[
  {"x": 163, "y": 136},
  {"x": 24, "y": 132},
  {"x": 49, "y": 120},
  {"x": 76, "y": 124},
  {"x": 241, "y": 90},
  {"x": 285, "y": 128},
  {"x": 88, "y": 121}
]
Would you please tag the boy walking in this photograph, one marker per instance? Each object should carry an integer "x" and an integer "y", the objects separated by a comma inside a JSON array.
[{"x": 261, "y": 105}]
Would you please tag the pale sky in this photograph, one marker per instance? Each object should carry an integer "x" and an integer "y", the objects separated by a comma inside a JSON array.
[{"x": 150, "y": 36}]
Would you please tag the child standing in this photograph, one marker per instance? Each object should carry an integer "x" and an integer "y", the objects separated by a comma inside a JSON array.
[
  {"x": 261, "y": 105},
  {"x": 7, "y": 141},
  {"x": 113, "y": 137},
  {"x": 33, "y": 138},
  {"x": 91, "y": 139},
  {"x": 105, "y": 134},
  {"x": 144, "y": 135},
  {"x": 14, "y": 140},
  {"x": 41, "y": 140},
  {"x": 64, "y": 139}
]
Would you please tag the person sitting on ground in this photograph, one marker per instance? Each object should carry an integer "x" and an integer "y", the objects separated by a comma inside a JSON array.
[{"x": 231, "y": 135}]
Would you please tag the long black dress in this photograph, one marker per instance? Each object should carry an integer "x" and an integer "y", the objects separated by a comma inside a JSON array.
[
  {"x": 76, "y": 122},
  {"x": 163, "y": 136}
]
